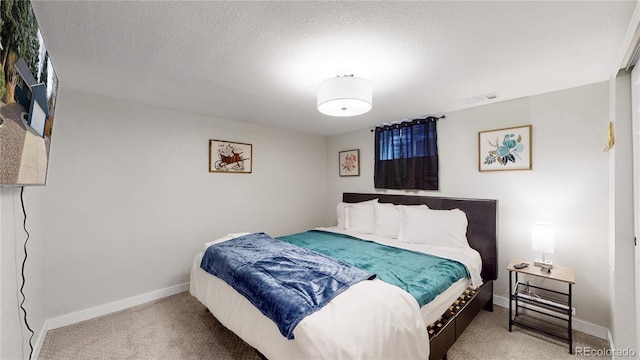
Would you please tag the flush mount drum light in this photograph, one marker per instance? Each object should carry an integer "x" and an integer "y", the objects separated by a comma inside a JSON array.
[{"x": 344, "y": 96}]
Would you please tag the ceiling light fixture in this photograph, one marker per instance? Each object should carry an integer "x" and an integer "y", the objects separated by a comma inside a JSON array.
[{"x": 344, "y": 95}]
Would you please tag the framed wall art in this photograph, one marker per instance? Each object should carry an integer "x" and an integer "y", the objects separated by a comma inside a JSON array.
[
  {"x": 27, "y": 105},
  {"x": 230, "y": 157},
  {"x": 505, "y": 149},
  {"x": 349, "y": 162}
]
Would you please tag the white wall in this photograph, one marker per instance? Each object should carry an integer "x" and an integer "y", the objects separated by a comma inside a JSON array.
[
  {"x": 2, "y": 283},
  {"x": 14, "y": 337},
  {"x": 129, "y": 199},
  {"x": 567, "y": 186},
  {"x": 621, "y": 219}
]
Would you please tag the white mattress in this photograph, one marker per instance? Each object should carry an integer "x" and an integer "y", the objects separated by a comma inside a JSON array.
[{"x": 370, "y": 320}]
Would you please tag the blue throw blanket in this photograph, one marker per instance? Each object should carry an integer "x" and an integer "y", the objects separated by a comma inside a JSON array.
[
  {"x": 421, "y": 275},
  {"x": 285, "y": 282}
]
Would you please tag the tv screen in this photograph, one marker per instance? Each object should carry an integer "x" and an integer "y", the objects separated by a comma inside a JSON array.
[{"x": 28, "y": 86}]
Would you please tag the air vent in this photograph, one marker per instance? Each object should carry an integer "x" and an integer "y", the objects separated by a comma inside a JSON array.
[{"x": 480, "y": 98}]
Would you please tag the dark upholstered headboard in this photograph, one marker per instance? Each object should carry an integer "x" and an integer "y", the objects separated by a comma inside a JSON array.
[{"x": 482, "y": 215}]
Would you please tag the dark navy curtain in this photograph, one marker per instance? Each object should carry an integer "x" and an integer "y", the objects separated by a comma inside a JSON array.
[{"x": 407, "y": 155}]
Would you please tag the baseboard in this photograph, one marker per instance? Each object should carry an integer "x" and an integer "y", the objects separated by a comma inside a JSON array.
[
  {"x": 610, "y": 338},
  {"x": 580, "y": 325},
  {"x": 38, "y": 345},
  {"x": 105, "y": 309}
]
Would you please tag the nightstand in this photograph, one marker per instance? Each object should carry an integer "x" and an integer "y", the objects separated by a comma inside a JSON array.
[{"x": 552, "y": 304}]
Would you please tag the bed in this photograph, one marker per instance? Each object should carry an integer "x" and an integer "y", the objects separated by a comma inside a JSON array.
[{"x": 371, "y": 319}]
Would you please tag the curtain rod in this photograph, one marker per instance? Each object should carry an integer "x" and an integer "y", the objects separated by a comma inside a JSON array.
[{"x": 427, "y": 117}]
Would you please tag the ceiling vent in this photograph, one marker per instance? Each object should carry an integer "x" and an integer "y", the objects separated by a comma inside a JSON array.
[{"x": 480, "y": 98}]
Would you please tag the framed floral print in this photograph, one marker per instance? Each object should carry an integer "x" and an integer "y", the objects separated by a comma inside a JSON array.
[
  {"x": 349, "y": 162},
  {"x": 505, "y": 149}
]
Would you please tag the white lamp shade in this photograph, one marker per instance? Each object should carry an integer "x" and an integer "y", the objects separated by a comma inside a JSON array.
[
  {"x": 344, "y": 96},
  {"x": 543, "y": 237}
]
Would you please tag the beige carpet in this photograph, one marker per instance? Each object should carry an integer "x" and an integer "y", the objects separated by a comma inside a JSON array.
[
  {"x": 178, "y": 327},
  {"x": 488, "y": 337}
]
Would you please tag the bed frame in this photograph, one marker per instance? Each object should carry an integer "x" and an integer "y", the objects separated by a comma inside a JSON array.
[{"x": 482, "y": 236}]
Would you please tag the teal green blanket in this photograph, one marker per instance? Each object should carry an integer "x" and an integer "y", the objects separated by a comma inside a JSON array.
[{"x": 421, "y": 275}]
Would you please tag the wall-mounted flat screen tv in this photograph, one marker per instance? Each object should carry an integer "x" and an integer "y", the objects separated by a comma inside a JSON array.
[{"x": 28, "y": 86}]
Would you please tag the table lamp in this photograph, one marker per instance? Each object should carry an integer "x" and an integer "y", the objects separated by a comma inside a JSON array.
[{"x": 543, "y": 238}]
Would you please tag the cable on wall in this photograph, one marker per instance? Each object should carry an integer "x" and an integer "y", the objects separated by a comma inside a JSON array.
[{"x": 24, "y": 262}]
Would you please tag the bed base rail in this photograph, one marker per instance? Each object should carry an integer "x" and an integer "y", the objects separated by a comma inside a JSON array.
[{"x": 453, "y": 328}]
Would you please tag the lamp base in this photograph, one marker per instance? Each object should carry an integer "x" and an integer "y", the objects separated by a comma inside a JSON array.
[{"x": 543, "y": 263}]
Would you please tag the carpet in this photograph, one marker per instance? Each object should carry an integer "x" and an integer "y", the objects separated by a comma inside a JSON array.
[{"x": 179, "y": 327}]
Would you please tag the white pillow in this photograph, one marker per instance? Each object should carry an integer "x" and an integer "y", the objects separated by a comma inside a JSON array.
[
  {"x": 388, "y": 218},
  {"x": 388, "y": 222},
  {"x": 340, "y": 212},
  {"x": 360, "y": 218},
  {"x": 434, "y": 227}
]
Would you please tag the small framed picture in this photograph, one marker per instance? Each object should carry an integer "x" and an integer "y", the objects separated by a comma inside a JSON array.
[
  {"x": 230, "y": 157},
  {"x": 349, "y": 162},
  {"x": 505, "y": 149}
]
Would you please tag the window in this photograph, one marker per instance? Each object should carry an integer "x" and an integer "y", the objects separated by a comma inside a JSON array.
[{"x": 407, "y": 155}]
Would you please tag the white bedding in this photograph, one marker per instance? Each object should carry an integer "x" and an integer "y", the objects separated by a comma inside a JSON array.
[{"x": 370, "y": 320}]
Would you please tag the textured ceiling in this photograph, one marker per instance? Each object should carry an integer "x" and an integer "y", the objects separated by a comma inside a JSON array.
[{"x": 261, "y": 62}]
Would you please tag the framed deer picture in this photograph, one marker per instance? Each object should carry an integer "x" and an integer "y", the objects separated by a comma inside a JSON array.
[{"x": 230, "y": 157}]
